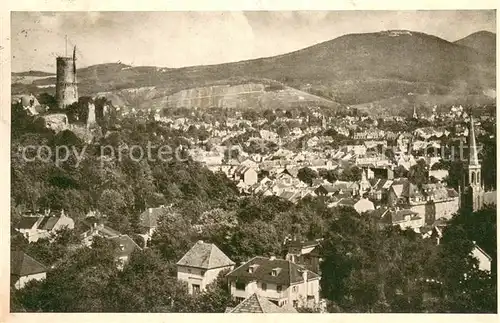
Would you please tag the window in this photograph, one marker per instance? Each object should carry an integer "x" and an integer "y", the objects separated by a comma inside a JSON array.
[
  {"x": 295, "y": 303},
  {"x": 240, "y": 286},
  {"x": 264, "y": 286},
  {"x": 294, "y": 289},
  {"x": 202, "y": 272},
  {"x": 189, "y": 271},
  {"x": 196, "y": 289},
  {"x": 279, "y": 288}
]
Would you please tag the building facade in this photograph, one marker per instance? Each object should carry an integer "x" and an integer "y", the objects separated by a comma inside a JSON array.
[{"x": 281, "y": 281}]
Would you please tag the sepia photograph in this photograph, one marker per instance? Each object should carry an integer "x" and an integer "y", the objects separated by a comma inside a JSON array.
[{"x": 253, "y": 161}]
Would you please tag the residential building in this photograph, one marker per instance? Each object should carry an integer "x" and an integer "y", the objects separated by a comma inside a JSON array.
[
  {"x": 483, "y": 258},
  {"x": 404, "y": 218},
  {"x": 364, "y": 205},
  {"x": 281, "y": 281},
  {"x": 24, "y": 268},
  {"x": 246, "y": 174},
  {"x": 201, "y": 265},
  {"x": 304, "y": 253},
  {"x": 43, "y": 226}
]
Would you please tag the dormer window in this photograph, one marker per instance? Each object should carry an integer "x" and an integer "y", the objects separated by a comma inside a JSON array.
[
  {"x": 252, "y": 268},
  {"x": 122, "y": 247},
  {"x": 275, "y": 272}
]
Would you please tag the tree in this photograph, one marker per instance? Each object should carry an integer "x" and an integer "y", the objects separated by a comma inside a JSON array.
[
  {"x": 147, "y": 284},
  {"x": 256, "y": 238},
  {"x": 418, "y": 173},
  {"x": 307, "y": 175},
  {"x": 216, "y": 298},
  {"x": 168, "y": 242},
  {"x": 77, "y": 284},
  {"x": 351, "y": 174}
]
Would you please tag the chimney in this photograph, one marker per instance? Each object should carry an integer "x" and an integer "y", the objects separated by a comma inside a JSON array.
[
  {"x": 200, "y": 241},
  {"x": 304, "y": 278}
]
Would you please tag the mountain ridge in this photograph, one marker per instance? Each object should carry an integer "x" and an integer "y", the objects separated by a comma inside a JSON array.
[{"x": 351, "y": 69}]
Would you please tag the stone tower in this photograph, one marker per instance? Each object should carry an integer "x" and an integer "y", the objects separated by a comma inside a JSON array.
[
  {"x": 66, "y": 86},
  {"x": 91, "y": 120},
  {"x": 473, "y": 193}
]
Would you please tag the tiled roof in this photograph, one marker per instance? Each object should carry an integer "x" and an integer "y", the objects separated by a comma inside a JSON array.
[
  {"x": 48, "y": 223},
  {"x": 399, "y": 216},
  {"x": 125, "y": 245},
  {"x": 27, "y": 222},
  {"x": 22, "y": 265},
  {"x": 206, "y": 256},
  {"x": 347, "y": 202},
  {"x": 259, "y": 304},
  {"x": 290, "y": 273},
  {"x": 398, "y": 190},
  {"x": 149, "y": 218},
  {"x": 380, "y": 212}
]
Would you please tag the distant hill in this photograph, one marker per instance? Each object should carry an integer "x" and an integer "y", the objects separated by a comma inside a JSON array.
[
  {"x": 481, "y": 41},
  {"x": 351, "y": 69},
  {"x": 32, "y": 73}
]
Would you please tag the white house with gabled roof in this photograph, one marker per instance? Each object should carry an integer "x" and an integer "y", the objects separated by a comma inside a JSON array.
[{"x": 201, "y": 265}]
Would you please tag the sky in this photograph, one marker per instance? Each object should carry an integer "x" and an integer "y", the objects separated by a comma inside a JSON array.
[{"x": 177, "y": 39}]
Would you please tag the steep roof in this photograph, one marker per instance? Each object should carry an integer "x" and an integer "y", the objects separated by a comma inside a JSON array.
[
  {"x": 289, "y": 272},
  {"x": 347, "y": 202},
  {"x": 206, "y": 256},
  {"x": 149, "y": 218},
  {"x": 48, "y": 223},
  {"x": 125, "y": 245},
  {"x": 258, "y": 304},
  {"x": 23, "y": 265},
  {"x": 27, "y": 222},
  {"x": 473, "y": 159}
]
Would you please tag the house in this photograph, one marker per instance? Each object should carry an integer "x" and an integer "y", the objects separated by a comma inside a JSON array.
[
  {"x": 304, "y": 253},
  {"x": 125, "y": 246},
  {"x": 248, "y": 175},
  {"x": 43, "y": 226},
  {"x": 405, "y": 218},
  {"x": 281, "y": 281},
  {"x": 149, "y": 218},
  {"x": 201, "y": 265},
  {"x": 483, "y": 258},
  {"x": 258, "y": 304},
  {"x": 24, "y": 268},
  {"x": 97, "y": 230},
  {"x": 364, "y": 205}
]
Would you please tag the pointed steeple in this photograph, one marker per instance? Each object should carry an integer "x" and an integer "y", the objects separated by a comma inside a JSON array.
[
  {"x": 415, "y": 112},
  {"x": 473, "y": 159}
]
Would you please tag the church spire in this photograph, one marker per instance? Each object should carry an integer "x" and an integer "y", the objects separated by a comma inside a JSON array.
[{"x": 473, "y": 159}]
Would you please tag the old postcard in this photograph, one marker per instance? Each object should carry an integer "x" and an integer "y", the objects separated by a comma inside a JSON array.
[{"x": 277, "y": 161}]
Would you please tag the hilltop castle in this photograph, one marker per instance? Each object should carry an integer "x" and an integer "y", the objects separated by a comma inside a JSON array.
[{"x": 66, "y": 85}]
